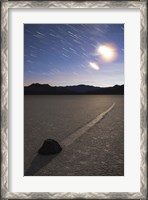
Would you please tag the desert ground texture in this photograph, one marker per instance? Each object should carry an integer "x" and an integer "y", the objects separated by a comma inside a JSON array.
[{"x": 92, "y": 145}]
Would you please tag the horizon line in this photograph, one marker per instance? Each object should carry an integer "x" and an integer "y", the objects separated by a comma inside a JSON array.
[{"x": 71, "y": 85}]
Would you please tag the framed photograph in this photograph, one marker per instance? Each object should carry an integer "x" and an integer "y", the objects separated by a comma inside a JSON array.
[{"x": 74, "y": 100}]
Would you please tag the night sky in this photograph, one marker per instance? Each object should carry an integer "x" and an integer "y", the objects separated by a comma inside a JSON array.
[{"x": 73, "y": 54}]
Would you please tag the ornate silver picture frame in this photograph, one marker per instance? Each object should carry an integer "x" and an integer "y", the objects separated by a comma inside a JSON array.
[{"x": 6, "y": 90}]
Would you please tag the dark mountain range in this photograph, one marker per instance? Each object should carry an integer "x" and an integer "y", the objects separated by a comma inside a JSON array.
[{"x": 38, "y": 89}]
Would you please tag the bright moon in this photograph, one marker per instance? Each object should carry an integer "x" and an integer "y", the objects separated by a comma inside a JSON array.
[
  {"x": 107, "y": 52},
  {"x": 94, "y": 66}
]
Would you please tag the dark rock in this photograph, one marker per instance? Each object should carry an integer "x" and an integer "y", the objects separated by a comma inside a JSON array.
[{"x": 50, "y": 147}]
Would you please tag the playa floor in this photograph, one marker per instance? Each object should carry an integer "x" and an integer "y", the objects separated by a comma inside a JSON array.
[{"x": 96, "y": 147}]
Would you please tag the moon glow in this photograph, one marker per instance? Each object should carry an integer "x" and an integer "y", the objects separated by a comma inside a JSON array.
[{"x": 107, "y": 52}]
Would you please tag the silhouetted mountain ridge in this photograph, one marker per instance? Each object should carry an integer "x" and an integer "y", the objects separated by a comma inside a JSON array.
[{"x": 38, "y": 89}]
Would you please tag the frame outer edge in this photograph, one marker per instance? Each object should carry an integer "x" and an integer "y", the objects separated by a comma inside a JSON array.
[
  {"x": 143, "y": 98},
  {"x": 4, "y": 55},
  {"x": 4, "y": 99}
]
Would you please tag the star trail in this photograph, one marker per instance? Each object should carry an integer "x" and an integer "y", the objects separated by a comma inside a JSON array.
[{"x": 67, "y": 54}]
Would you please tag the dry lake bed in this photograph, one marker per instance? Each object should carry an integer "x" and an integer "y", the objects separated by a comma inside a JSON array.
[{"x": 90, "y": 129}]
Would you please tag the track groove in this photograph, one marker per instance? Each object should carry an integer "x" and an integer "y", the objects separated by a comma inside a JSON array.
[{"x": 70, "y": 139}]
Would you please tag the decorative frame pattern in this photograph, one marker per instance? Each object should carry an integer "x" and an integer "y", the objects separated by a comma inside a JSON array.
[{"x": 4, "y": 97}]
